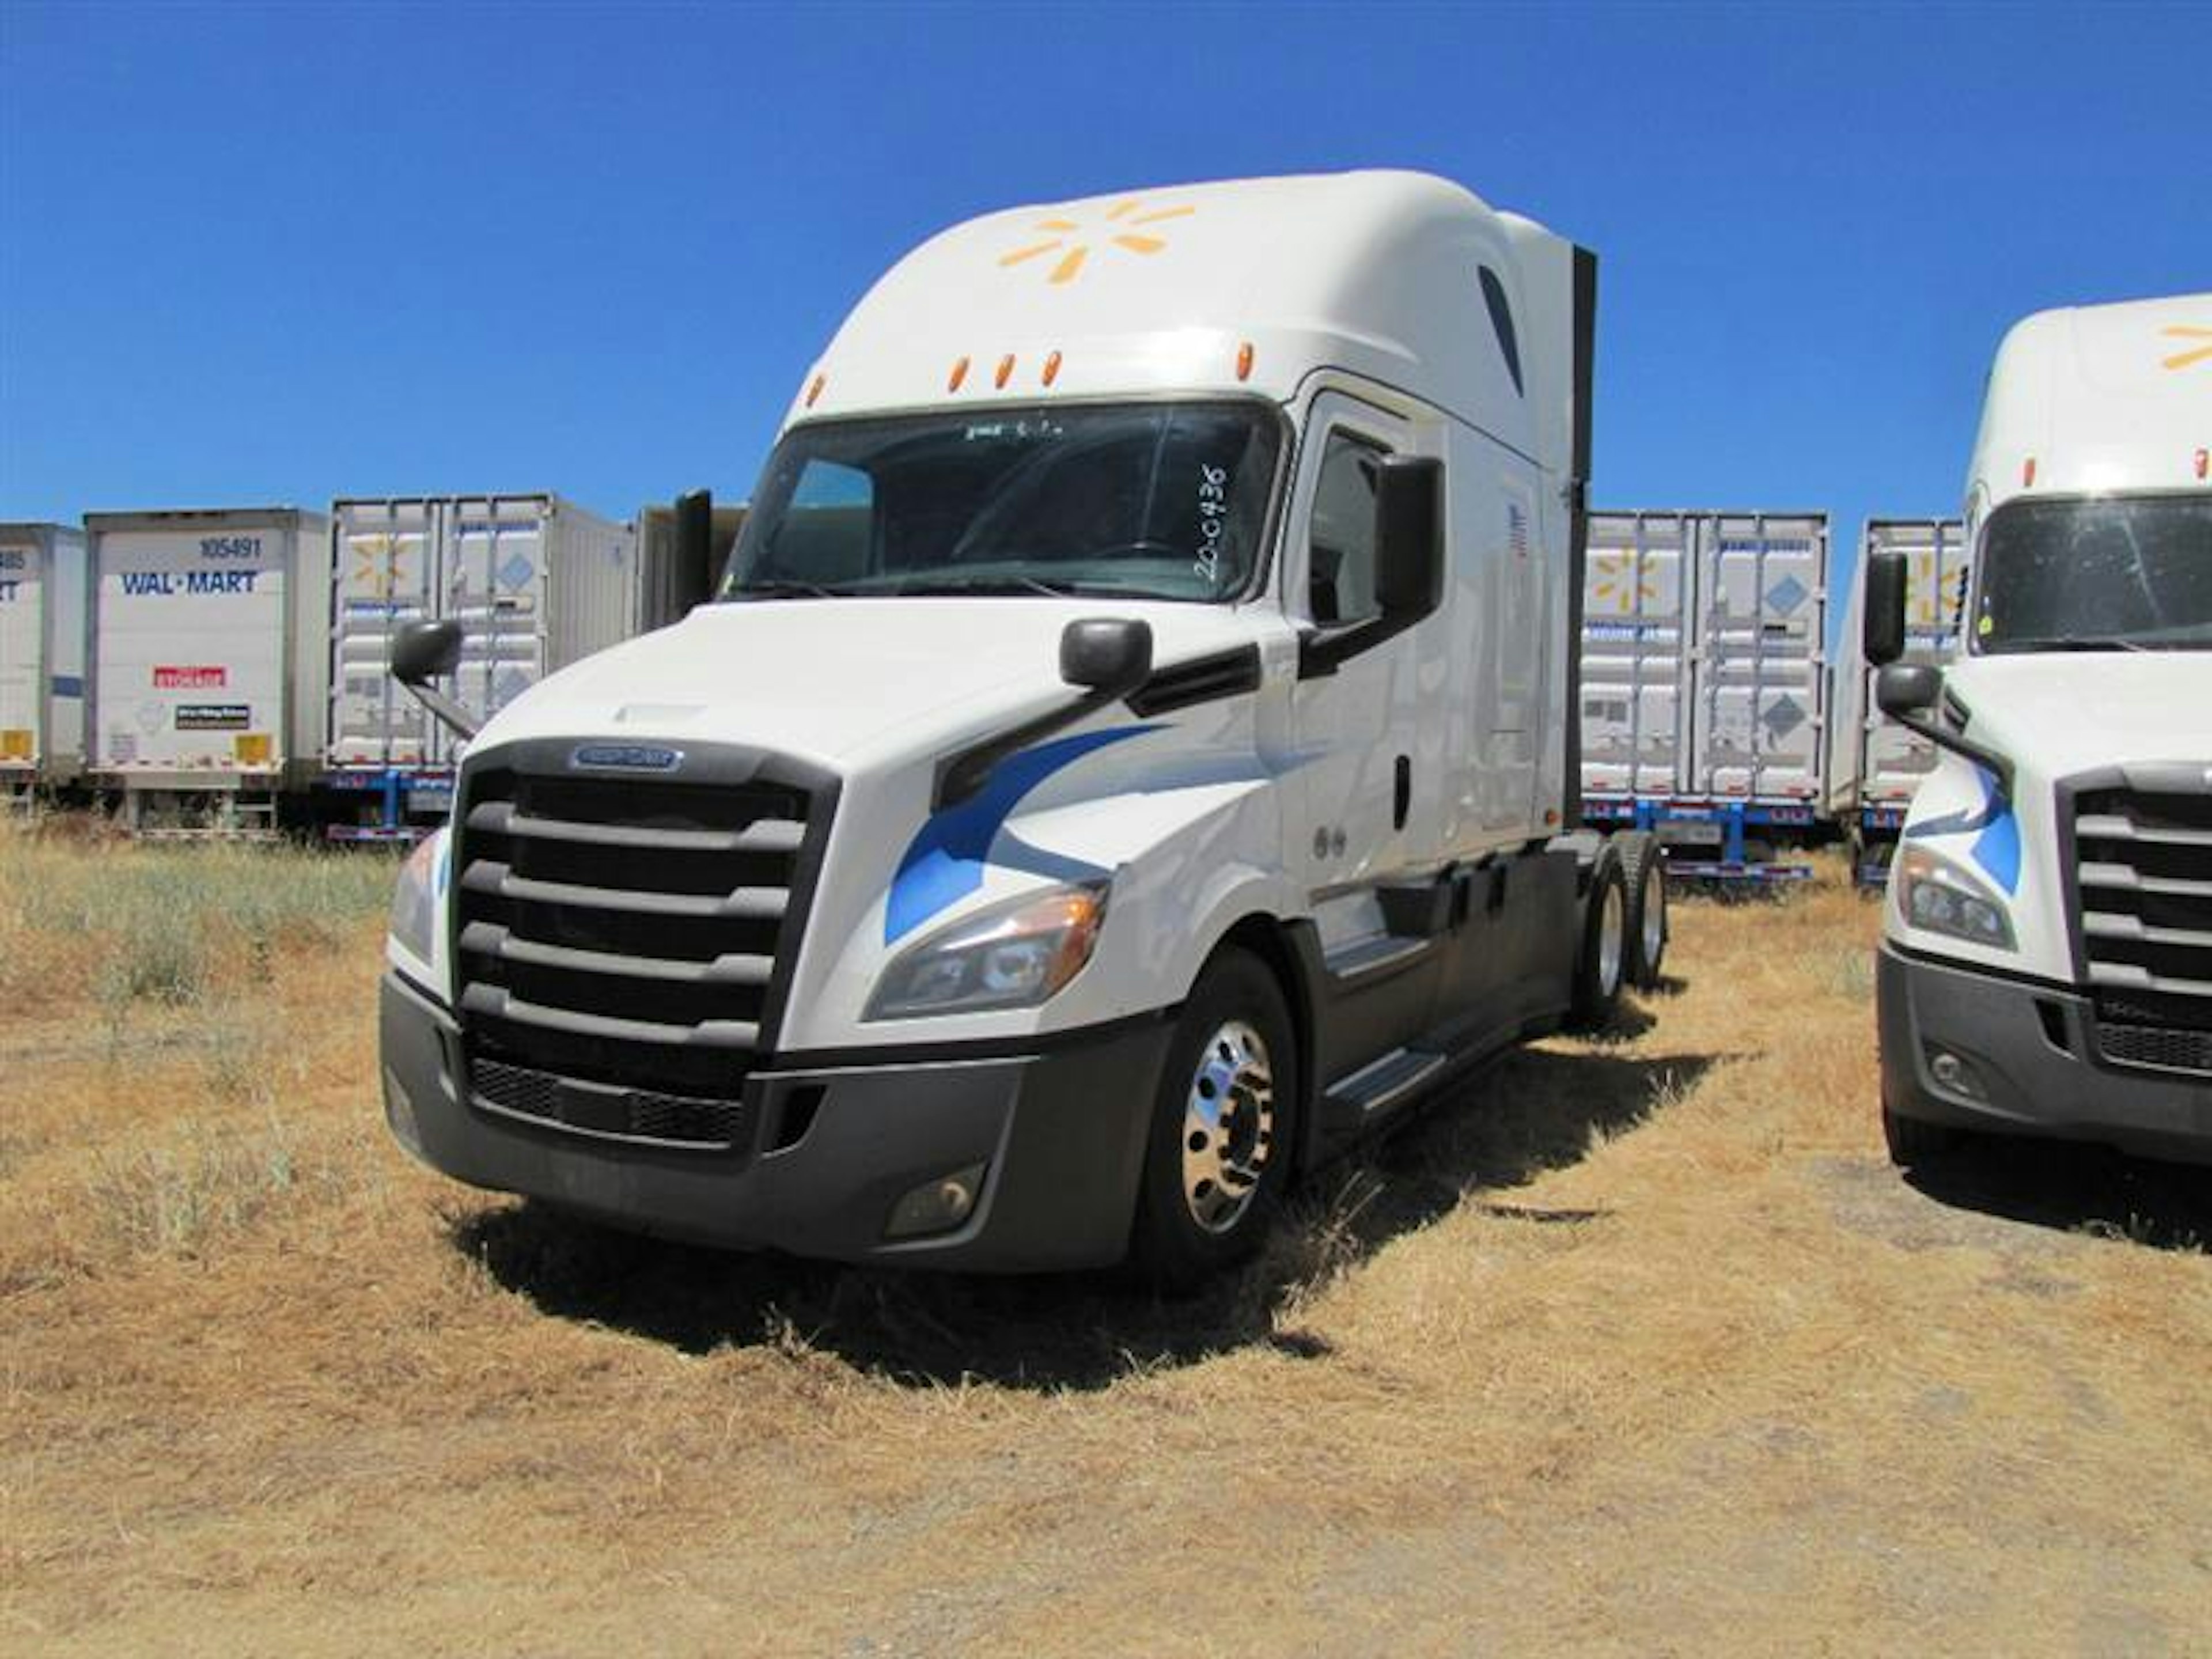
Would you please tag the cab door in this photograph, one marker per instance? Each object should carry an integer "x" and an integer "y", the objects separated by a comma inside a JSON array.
[{"x": 1369, "y": 722}]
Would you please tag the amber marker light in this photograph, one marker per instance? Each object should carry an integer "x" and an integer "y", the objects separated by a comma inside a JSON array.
[
  {"x": 1244, "y": 360},
  {"x": 959, "y": 374},
  {"x": 1006, "y": 371},
  {"x": 2027, "y": 473},
  {"x": 815, "y": 390},
  {"x": 2204, "y": 461},
  {"x": 1052, "y": 368}
]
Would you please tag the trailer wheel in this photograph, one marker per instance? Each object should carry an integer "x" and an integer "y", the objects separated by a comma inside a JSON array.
[
  {"x": 1644, "y": 874},
  {"x": 1223, "y": 1126},
  {"x": 1602, "y": 958}
]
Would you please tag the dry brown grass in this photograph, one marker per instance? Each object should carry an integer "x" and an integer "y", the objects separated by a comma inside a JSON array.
[{"x": 1633, "y": 1344}]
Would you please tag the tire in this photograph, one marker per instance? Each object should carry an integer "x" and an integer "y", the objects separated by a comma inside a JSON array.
[
  {"x": 1644, "y": 874},
  {"x": 1602, "y": 954},
  {"x": 1911, "y": 1141},
  {"x": 1214, "y": 1179}
]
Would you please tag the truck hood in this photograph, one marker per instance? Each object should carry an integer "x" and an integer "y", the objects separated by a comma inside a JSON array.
[
  {"x": 2057, "y": 714},
  {"x": 842, "y": 682}
]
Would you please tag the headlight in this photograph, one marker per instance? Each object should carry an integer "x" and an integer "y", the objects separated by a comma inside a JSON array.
[
  {"x": 414, "y": 901},
  {"x": 1014, "y": 955},
  {"x": 1934, "y": 894}
]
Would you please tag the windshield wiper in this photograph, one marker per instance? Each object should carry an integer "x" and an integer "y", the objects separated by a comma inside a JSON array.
[
  {"x": 2087, "y": 642},
  {"x": 785, "y": 587},
  {"x": 998, "y": 584}
]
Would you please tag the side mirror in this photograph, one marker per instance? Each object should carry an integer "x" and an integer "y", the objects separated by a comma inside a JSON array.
[
  {"x": 1108, "y": 654},
  {"x": 1882, "y": 630},
  {"x": 1907, "y": 690},
  {"x": 694, "y": 548},
  {"x": 424, "y": 651},
  {"x": 1409, "y": 540}
]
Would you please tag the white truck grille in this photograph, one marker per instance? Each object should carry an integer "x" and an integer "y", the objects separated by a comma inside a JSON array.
[
  {"x": 623, "y": 940},
  {"x": 2142, "y": 871}
]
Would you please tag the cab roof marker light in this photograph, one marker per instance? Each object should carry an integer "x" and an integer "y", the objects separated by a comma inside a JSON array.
[
  {"x": 815, "y": 390},
  {"x": 2204, "y": 461},
  {"x": 1006, "y": 371},
  {"x": 952, "y": 381},
  {"x": 1052, "y": 368},
  {"x": 2028, "y": 473},
  {"x": 1244, "y": 360}
]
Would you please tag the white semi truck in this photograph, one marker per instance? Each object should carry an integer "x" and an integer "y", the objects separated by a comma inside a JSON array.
[
  {"x": 1133, "y": 753},
  {"x": 2046, "y": 958}
]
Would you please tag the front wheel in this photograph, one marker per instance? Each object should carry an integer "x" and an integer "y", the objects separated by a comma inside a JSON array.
[{"x": 1223, "y": 1126}]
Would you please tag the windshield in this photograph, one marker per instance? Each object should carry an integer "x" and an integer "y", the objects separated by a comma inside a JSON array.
[
  {"x": 1149, "y": 501},
  {"x": 2113, "y": 573}
]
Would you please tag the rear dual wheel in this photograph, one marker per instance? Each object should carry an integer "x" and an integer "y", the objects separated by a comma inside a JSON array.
[{"x": 1644, "y": 875}]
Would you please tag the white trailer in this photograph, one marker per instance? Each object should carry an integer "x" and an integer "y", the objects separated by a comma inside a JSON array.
[
  {"x": 536, "y": 582},
  {"x": 42, "y": 657},
  {"x": 209, "y": 630},
  {"x": 1876, "y": 764},
  {"x": 1128, "y": 761},
  {"x": 2047, "y": 956},
  {"x": 1706, "y": 689}
]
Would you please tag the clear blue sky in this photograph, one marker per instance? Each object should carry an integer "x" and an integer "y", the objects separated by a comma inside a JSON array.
[{"x": 253, "y": 253}]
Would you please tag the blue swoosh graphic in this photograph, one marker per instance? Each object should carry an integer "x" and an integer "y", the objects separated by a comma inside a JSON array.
[
  {"x": 945, "y": 862},
  {"x": 1997, "y": 849}
]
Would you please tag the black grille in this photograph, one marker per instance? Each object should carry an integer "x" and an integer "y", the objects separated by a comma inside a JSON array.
[
  {"x": 2164, "y": 1047},
  {"x": 621, "y": 1114},
  {"x": 2141, "y": 881},
  {"x": 629, "y": 933}
]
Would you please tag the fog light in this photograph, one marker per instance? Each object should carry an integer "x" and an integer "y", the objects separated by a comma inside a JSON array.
[
  {"x": 1957, "y": 1076},
  {"x": 399, "y": 1112},
  {"x": 936, "y": 1206}
]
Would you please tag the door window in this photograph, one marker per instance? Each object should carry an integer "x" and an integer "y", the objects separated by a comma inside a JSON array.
[{"x": 1341, "y": 561}]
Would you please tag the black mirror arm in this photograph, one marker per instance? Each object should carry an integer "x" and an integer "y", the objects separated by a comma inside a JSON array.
[
  {"x": 1998, "y": 766},
  {"x": 456, "y": 719}
]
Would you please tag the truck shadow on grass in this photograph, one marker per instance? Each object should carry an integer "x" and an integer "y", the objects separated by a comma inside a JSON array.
[
  {"x": 1534, "y": 1110},
  {"x": 2075, "y": 1189}
]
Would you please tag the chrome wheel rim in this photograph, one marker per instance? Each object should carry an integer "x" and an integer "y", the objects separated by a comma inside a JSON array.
[
  {"x": 1655, "y": 917},
  {"x": 1228, "y": 1127},
  {"x": 1611, "y": 936}
]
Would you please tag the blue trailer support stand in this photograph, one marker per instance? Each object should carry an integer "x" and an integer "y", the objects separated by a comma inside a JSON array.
[{"x": 1731, "y": 818}]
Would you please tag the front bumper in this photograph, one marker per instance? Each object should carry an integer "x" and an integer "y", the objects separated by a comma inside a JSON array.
[
  {"x": 1060, "y": 1133},
  {"x": 2029, "y": 1047}
]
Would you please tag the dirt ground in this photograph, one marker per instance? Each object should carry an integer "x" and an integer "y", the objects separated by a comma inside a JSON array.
[{"x": 1629, "y": 1346}]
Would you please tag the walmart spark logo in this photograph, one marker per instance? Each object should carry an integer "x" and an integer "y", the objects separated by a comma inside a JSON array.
[
  {"x": 378, "y": 571},
  {"x": 2182, "y": 359},
  {"x": 1073, "y": 240},
  {"x": 1620, "y": 587}
]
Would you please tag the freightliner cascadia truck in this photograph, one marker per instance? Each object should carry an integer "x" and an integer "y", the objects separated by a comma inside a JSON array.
[
  {"x": 1132, "y": 753},
  {"x": 2046, "y": 957}
]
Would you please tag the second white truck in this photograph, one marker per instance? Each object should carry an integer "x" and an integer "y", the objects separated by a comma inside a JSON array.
[
  {"x": 2046, "y": 955},
  {"x": 1132, "y": 755}
]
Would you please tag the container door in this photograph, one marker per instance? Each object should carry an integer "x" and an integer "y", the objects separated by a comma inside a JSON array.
[
  {"x": 1635, "y": 666},
  {"x": 384, "y": 576},
  {"x": 1894, "y": 761},
  {"x": 191, "y": 654},
  {"x": 22, "y": 636},
  {"x": 1761, "y": 703},
  {"x": 494, "y": 584}
]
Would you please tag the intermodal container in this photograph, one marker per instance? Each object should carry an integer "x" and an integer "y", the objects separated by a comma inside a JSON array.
[
  {"x": 536, "y": 582},
  {"x": 1878, "y": 764}
]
